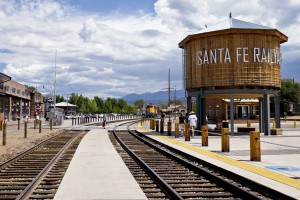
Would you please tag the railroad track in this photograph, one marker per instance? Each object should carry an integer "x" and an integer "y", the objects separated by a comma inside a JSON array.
[
  {"x": 37, "y": 172},
  {"x": 166, "y": 173}
]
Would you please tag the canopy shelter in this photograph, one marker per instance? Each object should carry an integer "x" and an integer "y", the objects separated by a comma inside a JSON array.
[{"x": 68, "y": 107}]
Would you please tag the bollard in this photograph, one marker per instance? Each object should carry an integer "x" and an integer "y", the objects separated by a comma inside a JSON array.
[
  {"x": 295, "y": 124},
  {"x": 34, "y": 124},
  {"x": 1, "y": 125},
  {"x": 51, "y": 124},
  {"x": 25, "y": 129},
  {"x": 156, "y": 125},
  {"x": 40, "y": 126},
  {"x": 274, "y": 124},
  {"x": 176, "y": 130},
  {"x": 248, "y": 124},
  {"x": 225, "y": 139},
  {"x": 255, "y": 146},
  {"x": 4, "y": 134},
  {"x": 169, "y": 128},
  {"x": 187, "y": 132},
  {"x": 162, "y": 127},
  {"x": 19, "y": 124},
  {"x": 204, "y": 135}
]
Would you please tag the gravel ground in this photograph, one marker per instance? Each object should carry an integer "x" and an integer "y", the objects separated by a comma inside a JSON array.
[{"x": 16, "y": 143}]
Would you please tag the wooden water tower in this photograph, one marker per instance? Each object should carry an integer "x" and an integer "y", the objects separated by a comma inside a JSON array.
[{"x": 234, "y": 59}]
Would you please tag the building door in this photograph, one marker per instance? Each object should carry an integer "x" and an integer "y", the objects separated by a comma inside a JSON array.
[{"x": 242, "y": 112}]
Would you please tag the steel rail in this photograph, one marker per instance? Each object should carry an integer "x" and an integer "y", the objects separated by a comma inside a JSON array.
[
  {"x": 231, "y": 187},
  {"x": 31, "y": 186},
  {"x": 165, "y": 187},
  {"x": 9, "y": 161}
]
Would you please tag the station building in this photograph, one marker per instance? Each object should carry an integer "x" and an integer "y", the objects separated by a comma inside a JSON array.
[
  {"x": 231, "y": 70},
  {"x": 17, "y": 100}
]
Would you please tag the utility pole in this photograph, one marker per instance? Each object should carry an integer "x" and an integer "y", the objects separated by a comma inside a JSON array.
[
  {"x": 169, "y": 122},
  {"x": 54, "y": 95}
]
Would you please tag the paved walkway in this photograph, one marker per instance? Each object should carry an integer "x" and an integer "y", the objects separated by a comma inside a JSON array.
[{"x": 98, "y": 172}]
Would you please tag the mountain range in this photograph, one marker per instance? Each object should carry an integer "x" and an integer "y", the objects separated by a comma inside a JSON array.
[{"x": 160, "y": 97}]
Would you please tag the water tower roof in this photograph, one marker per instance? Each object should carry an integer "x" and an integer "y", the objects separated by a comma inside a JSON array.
[{"x": 233, "y": 23}]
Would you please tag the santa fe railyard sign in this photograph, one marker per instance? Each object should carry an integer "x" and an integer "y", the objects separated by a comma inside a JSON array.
[{"x": 240, "y": 55}]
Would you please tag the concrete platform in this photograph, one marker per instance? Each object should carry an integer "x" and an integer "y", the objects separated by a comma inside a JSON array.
[
  {"x": 98, "y": 172},
  {"x": 279, "y": 167}
]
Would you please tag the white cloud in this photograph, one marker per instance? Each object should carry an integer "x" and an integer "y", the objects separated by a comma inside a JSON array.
[{"x": 116, "y": 54}]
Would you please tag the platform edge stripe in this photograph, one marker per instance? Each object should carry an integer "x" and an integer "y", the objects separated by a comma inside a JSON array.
[{"x": 252, "y": 168}]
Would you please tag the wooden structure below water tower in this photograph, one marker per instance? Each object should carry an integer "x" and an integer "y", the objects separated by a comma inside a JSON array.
[{"x": 234, "y": 59}]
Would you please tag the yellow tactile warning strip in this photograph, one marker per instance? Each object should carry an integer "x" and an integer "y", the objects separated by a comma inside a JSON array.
[{"x": 252, "y": 168}]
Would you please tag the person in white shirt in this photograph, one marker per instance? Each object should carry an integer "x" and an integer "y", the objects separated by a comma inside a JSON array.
[{"x": 192, "y": 121}]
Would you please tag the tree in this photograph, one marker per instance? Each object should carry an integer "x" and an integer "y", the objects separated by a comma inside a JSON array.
[
  {"x": 100, "y": 104},
  {"x": 108, "y": 105},
  {"x": 289, "y": 93},
  {"x": 73, "y": 98},
  {"x": 92, "y": 106},
  {"x": 139, "y": 103},
  {"x": 59, "y": 99}
]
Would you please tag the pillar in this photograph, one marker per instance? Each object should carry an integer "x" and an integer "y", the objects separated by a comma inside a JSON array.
[
  {"x": 277, "y": 111},
  {"x": 261, "y": 108},
  {"x": 231, "y": 114},
  {"x": 189, "y": 104},
  {"x": 266, "y": 114}
]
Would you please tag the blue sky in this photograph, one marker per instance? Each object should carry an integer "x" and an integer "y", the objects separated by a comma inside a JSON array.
[
  {"x": 111, "y": 48},
  {"x": 109, "y": 6}
]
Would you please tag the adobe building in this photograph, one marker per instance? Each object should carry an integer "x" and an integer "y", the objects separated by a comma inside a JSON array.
[
  {"x": 17, "y": 100},
  {"x": 232, "y": 69}
]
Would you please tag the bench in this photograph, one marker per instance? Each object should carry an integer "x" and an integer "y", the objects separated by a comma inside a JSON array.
[{"x": 245, "y": 129}]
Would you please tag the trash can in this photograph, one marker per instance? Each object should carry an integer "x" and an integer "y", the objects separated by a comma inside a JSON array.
[{"x": 225, "y": 125}]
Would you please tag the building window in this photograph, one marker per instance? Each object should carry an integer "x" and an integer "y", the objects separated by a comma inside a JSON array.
[
  {"x": 13, "y": 90},
  {"x": 6, "y": 88},
  {"x": 18, "y": 91},
  {"x": 23, "y": 93}
]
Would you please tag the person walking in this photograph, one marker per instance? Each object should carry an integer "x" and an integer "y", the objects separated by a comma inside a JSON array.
[
  {"x": 181, "y": 124},
  {"x": 104, "y": 121},
  {"x": 193, "y": 122}
]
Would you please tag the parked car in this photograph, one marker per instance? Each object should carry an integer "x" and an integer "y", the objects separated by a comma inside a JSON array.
[{"x": 69, "y": 116}]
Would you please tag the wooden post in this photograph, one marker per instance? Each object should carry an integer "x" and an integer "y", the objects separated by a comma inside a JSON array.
[
  {"x": 19, "y": 124},
  {"x": 248, "y": 124},
  {"x": 1, "y": 125},
  {"x": 72, "y": 121},
  {"x": 4, "y": 134},
  {"x": 176, "y": 130},
  {"x": 169, "y": 128},
  {"x": 204, "y": 135},
  {"x": 225, "y": 139},
  {"x": 255, "y": 146},
  {"x": 51, "y": 124},
  {"x": 34, "y": 124},
  {"x": 157, "y": 125},
  {"x": 25, "y": 129},
  {"x": 187, "y": 132},
  {"x": 40, "y": 126}
]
